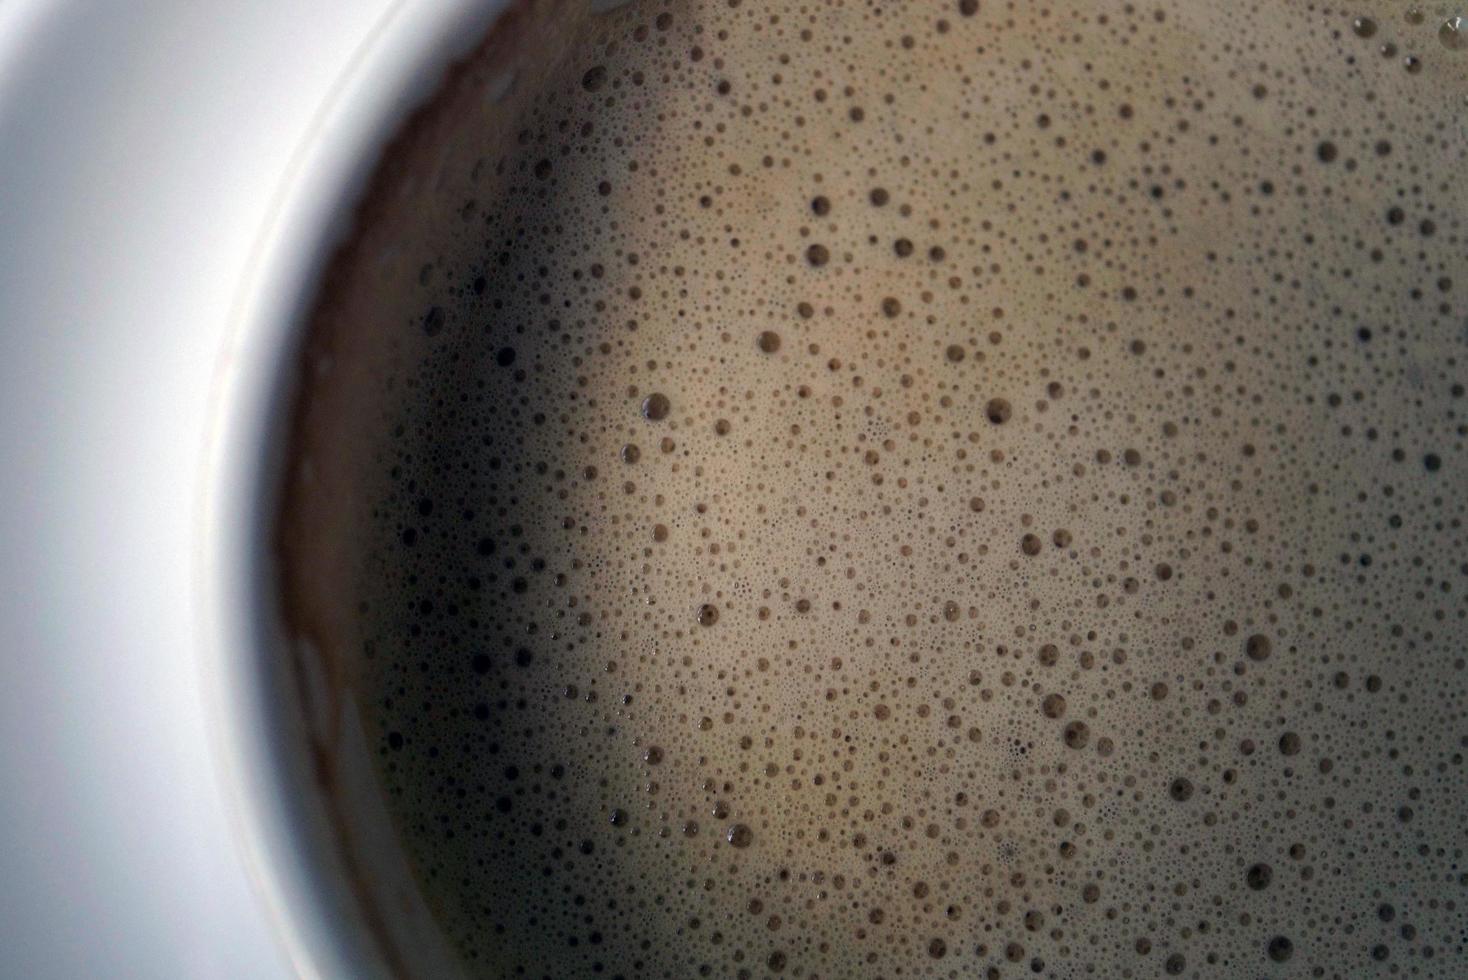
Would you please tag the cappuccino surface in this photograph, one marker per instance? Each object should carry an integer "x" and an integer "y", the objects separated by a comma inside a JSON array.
[{"x": 919, "y": 489}]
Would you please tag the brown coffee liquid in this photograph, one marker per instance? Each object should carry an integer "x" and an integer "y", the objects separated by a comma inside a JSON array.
[{"x": 953, "y": 489}]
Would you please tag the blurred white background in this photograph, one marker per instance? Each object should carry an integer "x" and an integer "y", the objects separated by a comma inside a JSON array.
[{"x": 141, "y": 142}]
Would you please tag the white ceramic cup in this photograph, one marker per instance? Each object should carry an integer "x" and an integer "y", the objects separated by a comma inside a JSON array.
[{"x": 317, "y": 902}]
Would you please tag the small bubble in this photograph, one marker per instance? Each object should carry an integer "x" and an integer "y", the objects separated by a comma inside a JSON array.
[
  {"x": 739, "y": 835},
  {"x": 1258, "y": 647},
  {"x": 656, "y": 406},
  {"x": 1077, "y": 734},
  {"x": 1454, "y": 33}
]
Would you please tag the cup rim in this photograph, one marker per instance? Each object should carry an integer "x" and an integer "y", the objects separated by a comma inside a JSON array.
[{"x": 397, "y": 65}]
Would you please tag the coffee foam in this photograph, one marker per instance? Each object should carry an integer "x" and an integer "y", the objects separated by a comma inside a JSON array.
[{"x": 873, "y": 490}]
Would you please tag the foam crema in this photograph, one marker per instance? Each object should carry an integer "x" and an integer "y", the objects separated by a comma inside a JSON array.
[{"x": 856, "y": 489}]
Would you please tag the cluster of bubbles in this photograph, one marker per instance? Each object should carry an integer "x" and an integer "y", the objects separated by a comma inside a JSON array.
[{"x": 974, "y": 488}]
